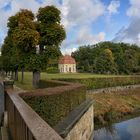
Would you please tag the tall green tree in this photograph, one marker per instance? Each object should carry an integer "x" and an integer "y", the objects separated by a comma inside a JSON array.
[
  {"x": 105, "y": 62},
  {"x": 130, "y": 60},
  {"x": 22, "y": 38},
  {"x": 25, "y": 36},
  {"x": 7, "y": 55},
  {"x": 51, "y": 31},
  {"x": 52, "y": 34}
]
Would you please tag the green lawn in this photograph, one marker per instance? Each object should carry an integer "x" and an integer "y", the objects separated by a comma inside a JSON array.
[{"x": 28, "y": 77}]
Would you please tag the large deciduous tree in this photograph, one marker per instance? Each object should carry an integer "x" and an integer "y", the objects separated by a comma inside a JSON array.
[
  {"x": 52, "y": 34},
  {"x": 22, "y": 38},
  {"x": 105, "y": 62},
  {"x": 25, "y": 36}
]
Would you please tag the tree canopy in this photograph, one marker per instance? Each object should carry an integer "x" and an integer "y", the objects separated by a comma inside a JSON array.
[{"x": 108, "y": 57}]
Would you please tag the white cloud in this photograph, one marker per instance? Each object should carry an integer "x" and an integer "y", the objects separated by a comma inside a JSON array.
[
  {"x": 113, "y": 7},
  {"x": 68, "y": 50},
  {"x": 130, "y": 34},
  {"x": 86, "y": 37},
  {"x": 79, "y": 15},
  {"x": 134, "y": 9},
  {"x": 79, "y": 12}
]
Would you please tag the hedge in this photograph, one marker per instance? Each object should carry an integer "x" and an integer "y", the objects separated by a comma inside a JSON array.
[
  {"x": 54, "y": 107},
  {"x": 52, "y": 70},
  {"x": 51, "y": 83},
  {"x": 96, "y": 83}
]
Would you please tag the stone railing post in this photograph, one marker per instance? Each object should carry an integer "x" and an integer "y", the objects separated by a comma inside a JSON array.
[{"x": 8, "y": 84}]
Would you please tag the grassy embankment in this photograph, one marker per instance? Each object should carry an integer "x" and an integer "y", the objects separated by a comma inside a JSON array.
[{"x": 115, "y": 107}]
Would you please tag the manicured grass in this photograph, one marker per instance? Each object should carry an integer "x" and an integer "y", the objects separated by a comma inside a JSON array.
[{"x": 27, "y": 84}]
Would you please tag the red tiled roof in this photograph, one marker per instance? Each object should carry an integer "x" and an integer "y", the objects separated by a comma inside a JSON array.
[{"x": 67, "y": 59}]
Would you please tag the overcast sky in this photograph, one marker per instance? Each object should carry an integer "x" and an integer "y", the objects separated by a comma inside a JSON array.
[{"x": 85, "y": 21}]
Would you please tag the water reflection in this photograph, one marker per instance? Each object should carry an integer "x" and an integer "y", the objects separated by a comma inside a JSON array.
[{"x": 127, "y": 130}]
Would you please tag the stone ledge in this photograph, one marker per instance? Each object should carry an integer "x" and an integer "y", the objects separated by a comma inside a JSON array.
[
  {"x": 8, "y": 84},
  {"x": 113, "y": 89},
  {"x": 64, "y": 127}
]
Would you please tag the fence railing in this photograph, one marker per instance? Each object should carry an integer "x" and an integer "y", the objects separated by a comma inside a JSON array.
[{"x": 24, "y": 123}]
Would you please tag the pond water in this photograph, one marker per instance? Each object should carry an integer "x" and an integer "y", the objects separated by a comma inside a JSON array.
[{"x": 126, "y": 130}]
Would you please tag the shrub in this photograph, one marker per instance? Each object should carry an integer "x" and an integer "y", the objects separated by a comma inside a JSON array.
[
  {"x": 52, "y": 70},
  {"x": 55, "y": 103},
  {"x": 95, "y": 83}
]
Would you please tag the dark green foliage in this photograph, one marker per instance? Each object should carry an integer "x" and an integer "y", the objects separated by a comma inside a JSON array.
[
  {"x": 51, "y": 31},
  {"x": 55, "y": 107},
  {"x": 35, "y": 63},
  {"x": 105, "y": 62},
  {"x": 52, "y": 16},
  {"x": 125, "y": 58},
  {"x": 52, "y": 35},
  {"x": 95, "y": 83}
]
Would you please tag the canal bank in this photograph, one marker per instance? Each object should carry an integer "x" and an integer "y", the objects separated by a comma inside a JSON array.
[{"x": 116, "y": 105}]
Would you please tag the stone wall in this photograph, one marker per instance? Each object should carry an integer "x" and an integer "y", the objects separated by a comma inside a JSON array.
[
  {"x": 83, "y": 129},
  {"x": 78, "y": 124},
  {"x": 113, "y": 89}
]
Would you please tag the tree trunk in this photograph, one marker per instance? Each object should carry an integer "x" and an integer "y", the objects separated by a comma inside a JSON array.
[
  {"x": 12, "y": 75},
  {"x": 22, "y": 75},
  {"x": 16, "y": 75},
  {"x": 3, "y": 73},
  {"x": 6, "y": 73},
  {"x": 36, "y": 78},
  {"x": 41, "y": 48}
]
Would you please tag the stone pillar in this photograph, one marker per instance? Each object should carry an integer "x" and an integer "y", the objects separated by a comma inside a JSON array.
[{"x": 8, "y": 84}]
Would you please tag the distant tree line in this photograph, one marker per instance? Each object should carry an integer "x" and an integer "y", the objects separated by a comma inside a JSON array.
[
  {"x": 27, "y": 31},
  {"x": 108, "y": 58}
]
